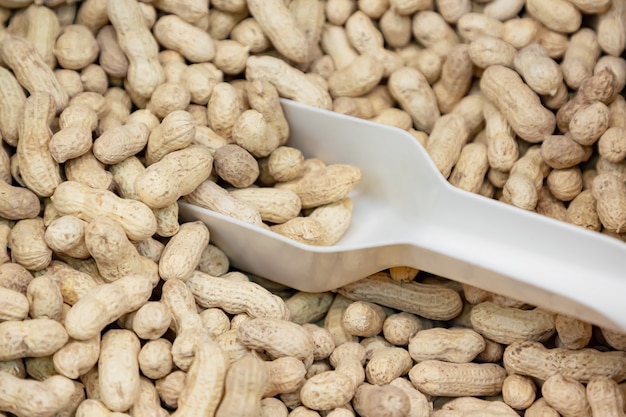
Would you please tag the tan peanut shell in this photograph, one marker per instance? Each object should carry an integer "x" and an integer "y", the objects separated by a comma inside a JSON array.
[
  {"x": 457, "y": 345},
  {"x": 261, "y": 333},
  {"x": 415, "y": 96},
  {"x": 505, "y": 88},
  {"x": 533, "y": 359},
  {"x": 274, "y": 205},
  {"x": 324, "y": 186},
  {"x": 14, "y": 305},
  {"x": 176, "y": 174},
  {"x": 427, "y": 300},
  {"x": 440, "y": 378},
  {"x": 235, "y": 297},
  {"x": 30, "y": 338},
  {"x": 38, "y": 169},
  {"x": 74, "y": 198},
  {"x": 31, "y": 71},
  {"x": 289, "y": 81},
  {"x": 506, "y": 324},
  {"x": 118, "y": 370},
  {"x": 144, "y": 72},
  {"x": 104, "y": 304}
]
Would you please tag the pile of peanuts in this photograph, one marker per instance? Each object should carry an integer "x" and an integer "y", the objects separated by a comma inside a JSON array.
[{"x": 112, "y": 111}]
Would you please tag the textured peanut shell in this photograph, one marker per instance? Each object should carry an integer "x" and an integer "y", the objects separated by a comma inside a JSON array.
[
  {"x": 30, "y": 397},
  {"x": 38, "y": 169},
  {"x": 274, "y": 205},
  {"x": 580, "y": 57},
  {"x": 175, "y": 175},
  {"x": 372, "y": 400},
  {"x": 76, "y": 47},
  {"x": 582, "y": 211},
  {"x": 31, "y": 71},
  {"x": 440, "y": 378},
  {"x": 176, "y": 131},
  {"x": 74, "y": 198},
  {"x": 573, "y": 333},
  {"x": 356, "y": 79},
  {"x": 193, "y": 43},
  {"x": 28, "y": 246},
  {"x": 605, "y": 397},
  {"x": 262, "y": 333},
  {"x": 415, "y": 96},
  {"x": 30, "y": 338},
  {"x": 538, "y": 70},
  {"x": 457, "y": 345},
  {"x": 566, "y": 395},
  {"x": 276, "y": 19},
  {"x": 144, "y": 72},
  {"x": 77, "y": 357},
  {"x": 301, "y": 229},
  {"x": 535, "y": 360},
  {"x": 324, "y": 186},
  {"x": 597, "y": 87},
  {"x": 236, "y": 166},
  {"x": 183, "y": 251},
  {"x": 519, "y": 104},
  {"x": 204, "y": 384},
  {"x": 236, "y": 297},
  {"x": 13, "y": 305},
  {"x": 290, "y": 82},
  {"x": 118, "y": 369},
  {"x": 243, "y": 388},
  {"x": 387, "y": 364},
  {"x": 106, "y": 303},
  {"x": 119, "y": 143},
  {"x": 73, "y": 284},
  {"x": 589, "y": 123},
  {"x": 334, "y": 218},
  {"x": 506, "y": 324},
  {"x": 18, "y": 202},
  {"x": 560, "y": 151},
  {"x": 44, "y": 298},
  {"x": 427, "y": 300},
  {"x": 12, "y": 98},
  {"x": 518, "y": 391},
  {"x": 114, "y": 254},
  {"x": 213, "y": 197}
]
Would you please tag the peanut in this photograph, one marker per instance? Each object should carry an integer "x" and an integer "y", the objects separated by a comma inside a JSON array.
[
  {"x": 31, "y": 71},
  {"x": 144, "y": 72},
  {"x": 260, "y": 333},
  {"x": 28, "y": 245},
  {"x": 31, "y": 338},
  {"x": 411, "y": 90},
  {"x": 235, "y": 297},
  {"x": 427, "y": 300},
  {"x": 105, "y": 303},
  {"x": 506, "y": 325},
  {"x": 531, "y": 121},
  {"x": 604, "y": 397},
  {"x": 114, "y": 254},
  {"x": 118, "y": 369},
  {"x": 535, "y": 360},
  {"x": 451, "y": 345},
  {"x": 182, "y": 253},
  {"x": 245, "y": 380},
  {"x": 204, "y": 383},
  {"x": 155, "y": 359},
  {"x": 435, "y": 377},
  {"x": 290, "y": 82}
]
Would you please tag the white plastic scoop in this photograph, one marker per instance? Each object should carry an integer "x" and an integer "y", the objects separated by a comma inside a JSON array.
[{"x": 407, "y": 214}]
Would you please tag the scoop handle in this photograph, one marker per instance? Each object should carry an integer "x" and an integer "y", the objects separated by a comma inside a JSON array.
[{"x": 527, "y": 256}]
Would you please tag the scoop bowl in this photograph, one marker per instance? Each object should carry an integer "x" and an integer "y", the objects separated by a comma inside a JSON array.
[{"x": 407, "y": 214}]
